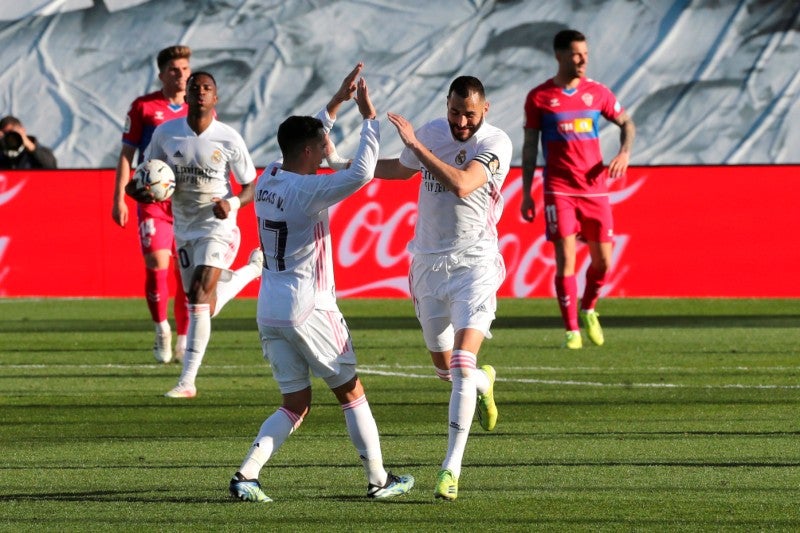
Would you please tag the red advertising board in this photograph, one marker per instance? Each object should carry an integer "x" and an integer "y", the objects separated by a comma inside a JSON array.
[{"x": 680, "y": 231}]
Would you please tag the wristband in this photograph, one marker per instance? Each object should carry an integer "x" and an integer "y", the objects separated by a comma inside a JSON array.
[
  {"x": 234, "y": 202},
  {"x": 335, "y": 161}
]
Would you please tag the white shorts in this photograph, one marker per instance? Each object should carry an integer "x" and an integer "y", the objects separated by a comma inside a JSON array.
[
  {"x": 453, "y": 294},
  {"x": 321, "y": 345},
  {"x": 215, "y": 250}
]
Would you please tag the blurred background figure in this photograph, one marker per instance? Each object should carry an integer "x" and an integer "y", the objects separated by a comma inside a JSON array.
[{"x": 18, "y": 150}]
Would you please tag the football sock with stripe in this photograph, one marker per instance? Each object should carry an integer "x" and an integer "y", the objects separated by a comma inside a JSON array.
[
  {"x": 196, "y": 341},
  {"x": 364, "y": 435},
  {"x": 462, "y": 408},
  {"x": 273, "y": 433}
]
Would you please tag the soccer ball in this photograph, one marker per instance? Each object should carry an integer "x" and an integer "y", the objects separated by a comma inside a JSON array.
[{"x": 156, "y": 177}]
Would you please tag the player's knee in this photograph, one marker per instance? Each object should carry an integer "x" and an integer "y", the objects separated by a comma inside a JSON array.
[
  {"x": 599, "y": 268},
  {"x": 299, "y": 403}
]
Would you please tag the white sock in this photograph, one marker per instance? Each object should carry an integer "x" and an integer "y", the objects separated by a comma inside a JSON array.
[
  {"x": 162, "y": 328},
  {"x": 196, "y": 341},
  {"x": 231, "y": 283},
  {"x": 481, "y": 380},
  {"x": 462, "y": 408},
  {"x": 180, "y": 344},
  {"x": 443, "y": 373},
  {"x": 273, "y": 433},
  {"x": 364, "y": 435}
]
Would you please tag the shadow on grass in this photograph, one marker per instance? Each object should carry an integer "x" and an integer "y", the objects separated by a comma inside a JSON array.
[{"x": 411, "y": 323}]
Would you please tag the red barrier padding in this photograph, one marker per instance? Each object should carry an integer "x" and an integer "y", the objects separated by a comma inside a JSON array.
[{"x": 715, "y": 231}]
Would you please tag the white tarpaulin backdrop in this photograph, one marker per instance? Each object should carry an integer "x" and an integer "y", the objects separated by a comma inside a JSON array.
[{"x": 706, "y": 81}]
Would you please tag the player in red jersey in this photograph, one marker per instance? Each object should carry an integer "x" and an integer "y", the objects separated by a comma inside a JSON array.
[
  {"x": 155, "y": 219},
  {"x": 565, "y": 112}
]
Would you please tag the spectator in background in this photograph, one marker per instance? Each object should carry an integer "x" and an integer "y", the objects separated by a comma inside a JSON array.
[
  {"x": 156, "y": 236},
  {"x": 19, "y": 150},
  {"x": 566, "y": 110}
]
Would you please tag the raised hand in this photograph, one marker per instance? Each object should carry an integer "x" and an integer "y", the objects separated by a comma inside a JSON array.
[
  {"x": 345, "y": 91},
  {"x": 365, "y": 106},
  {"x": 404, "y": 128}
]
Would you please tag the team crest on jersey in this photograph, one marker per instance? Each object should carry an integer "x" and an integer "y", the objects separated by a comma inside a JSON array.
[
  {"x": 587, "y": 99},
  {"x": 216, "y": 157},
  {"x": 554, "y": 102},
  {"x": 159, "y": 115},
  {"x": 461, "y": 157}
]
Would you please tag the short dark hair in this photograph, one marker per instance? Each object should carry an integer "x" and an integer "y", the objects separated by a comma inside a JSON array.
[
  {"x": 191, "y": 78},
  {"x": 564, "y": 39},
  {"x": 296, "y": 132},
  {"x": 172, "y": 52},
  {"x": 463, "y": 86},
  {"x": 9, "y": 120}
]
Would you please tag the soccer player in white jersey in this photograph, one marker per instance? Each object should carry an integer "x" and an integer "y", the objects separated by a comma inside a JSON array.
[
  {"x": 203, "y": 152},
  {"x": 456, "y": 267},
  {"x": 301, "y": 328}
]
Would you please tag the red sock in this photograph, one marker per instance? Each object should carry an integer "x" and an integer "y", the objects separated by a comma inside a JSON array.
[
  {"x": 180, "y": 306},
  {"x": 594, "y": 282},
  {"x": 156, "y": 290},
  {"x": 567, "y": 292}
]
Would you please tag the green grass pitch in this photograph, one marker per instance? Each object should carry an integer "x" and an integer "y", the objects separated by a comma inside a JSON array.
[{"x": 687, "y": 419}]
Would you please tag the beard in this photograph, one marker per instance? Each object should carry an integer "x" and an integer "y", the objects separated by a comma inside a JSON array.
[{"x": 464, "y": 134}]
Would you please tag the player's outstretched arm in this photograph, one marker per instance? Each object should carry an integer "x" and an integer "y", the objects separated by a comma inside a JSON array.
[
  {"x": 335, "y": 161},
  {"x": 392, "y": 169},
  {"x": 459, "y": 182},
  {"x": 345, "y": 92}
]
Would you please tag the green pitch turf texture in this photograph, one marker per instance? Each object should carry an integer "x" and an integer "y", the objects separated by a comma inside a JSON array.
[{"x": 687, "y": 419}]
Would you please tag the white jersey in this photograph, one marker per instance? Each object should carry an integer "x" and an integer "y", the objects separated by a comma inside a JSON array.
[
  {"x": 447, "y": 224},
  {"x": 292, "y": 214},
  {"x": 202, "y": 165}
]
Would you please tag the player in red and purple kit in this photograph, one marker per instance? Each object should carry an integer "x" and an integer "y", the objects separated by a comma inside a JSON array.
[
  {"x": 155, "y": 219},
  {"x": 566, "y": 111}
]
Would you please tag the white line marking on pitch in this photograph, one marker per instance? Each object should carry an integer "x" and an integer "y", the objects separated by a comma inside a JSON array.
[
  {"x": 399, "y": 371},
  {"x": 369, "y": 370}
]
